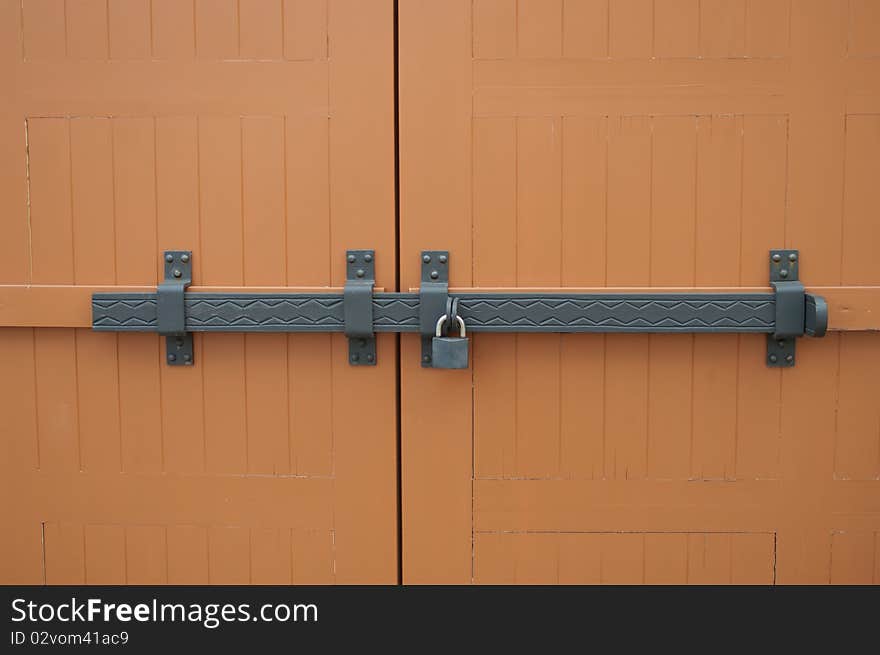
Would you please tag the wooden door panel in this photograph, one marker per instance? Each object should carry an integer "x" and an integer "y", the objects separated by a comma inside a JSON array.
[
  {"x": 641, "y": 145},
  {"x": 229, "y": 128}
]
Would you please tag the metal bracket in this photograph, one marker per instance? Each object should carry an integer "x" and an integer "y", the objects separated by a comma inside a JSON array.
[
  {"x": 170, "y": 314},
  {"x": 357, "y": 304},
  {"x": 790, "y": 308},
  {"x": 433, "y": 294}
]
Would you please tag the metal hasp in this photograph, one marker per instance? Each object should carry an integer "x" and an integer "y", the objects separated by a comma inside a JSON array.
[
  {"x": 433, "y": 297},
  {"x": 170, "y": 308},
  {"x": 797, "y": 313},
  {"x": 357, "y": 306}
]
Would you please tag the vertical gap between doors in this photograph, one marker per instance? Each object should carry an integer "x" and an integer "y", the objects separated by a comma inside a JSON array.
[{"x": 396, "y": 100}]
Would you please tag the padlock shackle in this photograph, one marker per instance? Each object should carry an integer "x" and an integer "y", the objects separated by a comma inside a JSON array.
[{"x": 443, "y": 319}]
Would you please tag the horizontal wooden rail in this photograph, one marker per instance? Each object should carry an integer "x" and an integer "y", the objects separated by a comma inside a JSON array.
[{"x": 851, "y": 308}]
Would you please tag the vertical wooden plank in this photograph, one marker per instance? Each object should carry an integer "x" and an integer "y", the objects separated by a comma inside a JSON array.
[
  {"x": 139, "y": 402},
  {"x": 145, "y": 555},
  {"x": 362, "y": 198},
  {"x": 580, "y": 558},
  {"x": 852, "y": 558},
  {"x": 863, "y": 28},
  {"x": 495, "y": 362},
  {"x": 670, "y": 392},
  {"x": 752, "y": 559},
  {"x": 495, "y": 202},
  {"x": 722, "y": 28},
  {"x": 584, "y": 199},
  {"x": 87, "y": 35},
  {"x": 105, "y": 554},
  {"x": 628, "y": 257},
  {"x": 494, "y": 31},
  {"x": 585, "y": 28},
  {"x": 764, "y": 193},
  {"x": 581, "y": 406},
  {"x": 767, "y": 28},
  {"x": 313, "y": 557},
  {"x": 719, "y": 193},
  {"x": 20, "y": 450},
  {"x": 65, "y": 554},
  {"x": 21, "y": 554},
  {"x": 629, "y": 201},
  {"x": 129, "y": 28},
  {"x": 57, "y": 417},
  {"x": 308, "y": 200},
  {"x": 539, "y": 32},
  {"x": 538, "y": 201},
  {"x": 494, "y": 559},
  {"x": 50, "y": 201},
  {"x": 537, "y": 405},
  {"x": 261, "y": 29},
  {"x": 666, "y": 558},
  {"x": 14, "y": 231},
  {"x": 716, "y": 261},
  {"x": 310, "y": 403},
  {"x": 263, "y": 188},
  {"x": 91, "y": 160},
  {"x": 217, "y": 29},
  {"x": 861, "y": 205},
  {"x": 97, "y": 380},
  {"x": 623, "y": 558},
  {"x": 173, "y": 29},
  {"x": 536, "y": 558},
  {"x": 631, "y": 29},
  {"x": 270, "y": 556},
  {"x": 709, "y": 559},
  {"x": 134, "y": 201},
  {"x": 305, "y": 29},
  {"x": 177, "y": 218},
  {"x": 673, "y": 210},
  {"x": 187, "y": 555},
  {"x": 229, "y": 555},
  {"x": 677, "y": 29},
  {"x": 44, "y": 32},
  {"x": 857, "y": 435},
  {"x": 226, "y": 447}
]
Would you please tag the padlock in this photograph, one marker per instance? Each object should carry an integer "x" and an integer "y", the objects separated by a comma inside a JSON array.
[{"x": 449, "y": 352}]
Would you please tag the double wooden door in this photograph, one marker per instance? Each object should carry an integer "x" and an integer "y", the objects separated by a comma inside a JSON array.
[{"x": 547, "y": 144}]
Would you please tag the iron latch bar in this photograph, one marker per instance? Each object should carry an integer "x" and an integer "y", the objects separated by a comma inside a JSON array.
[{"x": 783, "y": 314}]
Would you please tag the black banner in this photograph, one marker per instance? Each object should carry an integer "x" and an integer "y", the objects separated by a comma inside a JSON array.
[{"x": 145, "y": 619}]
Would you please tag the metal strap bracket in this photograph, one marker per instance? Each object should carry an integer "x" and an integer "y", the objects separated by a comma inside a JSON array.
[
  {"x": 170, "y": 308},
  {"x": 433, "y": 296},
  {"x": 357, "y": 306}
]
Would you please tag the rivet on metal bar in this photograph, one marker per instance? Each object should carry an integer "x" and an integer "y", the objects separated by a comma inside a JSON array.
[
  {"x": 357, "y": 301},
  {"x": 170, "y": 314}
]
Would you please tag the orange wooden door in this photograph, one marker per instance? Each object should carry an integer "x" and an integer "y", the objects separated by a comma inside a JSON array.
[
  {"x": 643, "y": 143},
  {"x": 258, "y": 134}
]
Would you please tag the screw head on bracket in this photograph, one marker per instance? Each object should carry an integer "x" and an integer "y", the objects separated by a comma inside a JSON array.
[
  {"x": 777, "y": 257},
  {"x": 184, "y": 258},
  {"x": 187, "y": 357},
  {"x": 434, "y": 275},
  {"x": 443, "y": 259},
  {"x": 426, "y": 358},
  {"x": 368, "y": 258},
  {"x": 370, "y": 357},
  {"x": 351, "y": 259},
  {"x": 426, "y": 259},
  {"x": 176, "y": 272},
  {"x": 360, "y": 272},
  {"x": 169, "y": 258},
  {"x": 792, "y": 257},
  {"x": 355, "y": 357},
  {"x": 783, "y": 273},
  {"x": 172, "y": 357},
  {"x": 773, "y": 358},
  {"x": 789, "y": 358}
]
